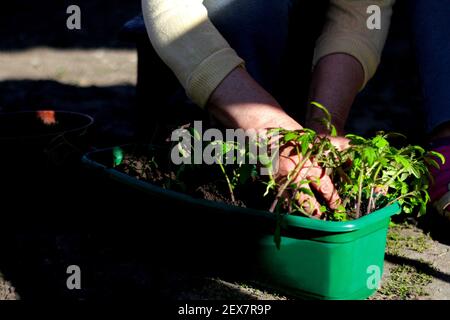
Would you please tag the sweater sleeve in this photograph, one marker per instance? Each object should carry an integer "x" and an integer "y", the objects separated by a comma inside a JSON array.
[
  {"x": 346, "y": 31},
  {"x": 187, "y": 41}
]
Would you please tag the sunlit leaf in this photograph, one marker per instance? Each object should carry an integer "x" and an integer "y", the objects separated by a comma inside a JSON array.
[
  {"x": 321, "y": 107},
  {"x": 380, "y": 142},
  {"x": 369, "y": 155},
  {"x": 290, "y": 136},
  {"x": 305, "y": 146}
]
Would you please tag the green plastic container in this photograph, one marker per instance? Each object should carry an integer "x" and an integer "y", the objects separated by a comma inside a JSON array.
[
  {"x": 343, "y": 260},
  {"x": 317, "y": 259}
]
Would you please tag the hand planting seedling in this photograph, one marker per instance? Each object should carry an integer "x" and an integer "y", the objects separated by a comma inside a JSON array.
[{"x": 368, "y": 174}]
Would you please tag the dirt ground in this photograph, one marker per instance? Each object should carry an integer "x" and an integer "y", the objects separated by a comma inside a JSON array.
[
  {"x": 417, "y": 265},
  {"x": 101, "y": 82}
]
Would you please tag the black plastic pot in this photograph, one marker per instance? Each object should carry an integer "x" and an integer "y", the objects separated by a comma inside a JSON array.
[
  {"x": 31, "y": 133},
  {"x": 41, "y": 127},
  {"x": 36, "y": 146}
]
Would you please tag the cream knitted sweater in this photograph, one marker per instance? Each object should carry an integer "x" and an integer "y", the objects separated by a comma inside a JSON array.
[{"x": 201, "y": 58}]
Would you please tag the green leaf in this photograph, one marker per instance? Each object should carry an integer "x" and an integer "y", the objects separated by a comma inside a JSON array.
[
  {"x": 333, "y": 131},
  {"x": 293, "y": 186},
  {"x": 185, "y": 153},
  {"x": 394, "y": 134},
  {"x": 290, "y": 136},
  {"x": 423, "y": 209},
  {"x": 195, "y": 133},
  {"x": 356, "y": 140},
  {"x": 118, "y": 156},
  {"x": 306, "y": 191},
  {"x": 403, "y": 161},
  {"x": 380, "y": 142},
  {"x": 274, "y": 131},
  {"x": 404, "y": 188},
  {"x": 420, "y": 149},
  {"x": 227, "y": 147},
  {"x": 404, "y": 176},
  {"x": 369, "y": 155},
  {"x": 270, "y": 185},
  {"x": 407, "y": 209},
  {"x": 305, "y": 145},
  {"x": 414, "y": 171},
  {"x": 440, "y": 156},
  {"x": 264, "y": 160},
  {"x": 432, "y": 162},
  {"x": 321, "y": 107}
]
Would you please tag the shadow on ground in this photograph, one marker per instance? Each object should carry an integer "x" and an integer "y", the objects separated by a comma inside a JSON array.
[
  {"x": 57, "y": 218},
  {"x": 26, "y": 24},
  {"x": 112, "y": 107},
  {"x": 419, "y": 266}
]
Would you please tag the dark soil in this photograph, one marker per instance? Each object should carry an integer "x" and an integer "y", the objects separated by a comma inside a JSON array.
[
  {"x": 211, "y": 192},
  {"x": 204, "y": 182}
]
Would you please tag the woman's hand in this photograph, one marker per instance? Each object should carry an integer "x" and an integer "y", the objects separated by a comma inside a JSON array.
[
  {"x": 240, "y": 102},
  {"x": 322, "y": 183}
]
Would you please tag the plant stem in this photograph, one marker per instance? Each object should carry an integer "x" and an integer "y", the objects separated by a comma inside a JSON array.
[
  {"x": 296, "y": 171},
  {"x": 343, "y": 175},
  {"x": 377, "y": 172},
  {"x": 371, "y": 202},
  {"x": 401, "y": 197},
  {"x": 394, "y": 177},
  {"x": 358, "y": 203},
  {"x": 230, "y": 186}
]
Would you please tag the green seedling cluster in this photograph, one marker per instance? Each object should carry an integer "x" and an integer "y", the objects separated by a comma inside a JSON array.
[{"x": 368, "y": 175}]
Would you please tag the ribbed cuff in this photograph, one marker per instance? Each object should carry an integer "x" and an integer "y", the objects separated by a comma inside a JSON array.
[
  {"x": 355, "y": 47},
  {"x": 210, "y": 73}
]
